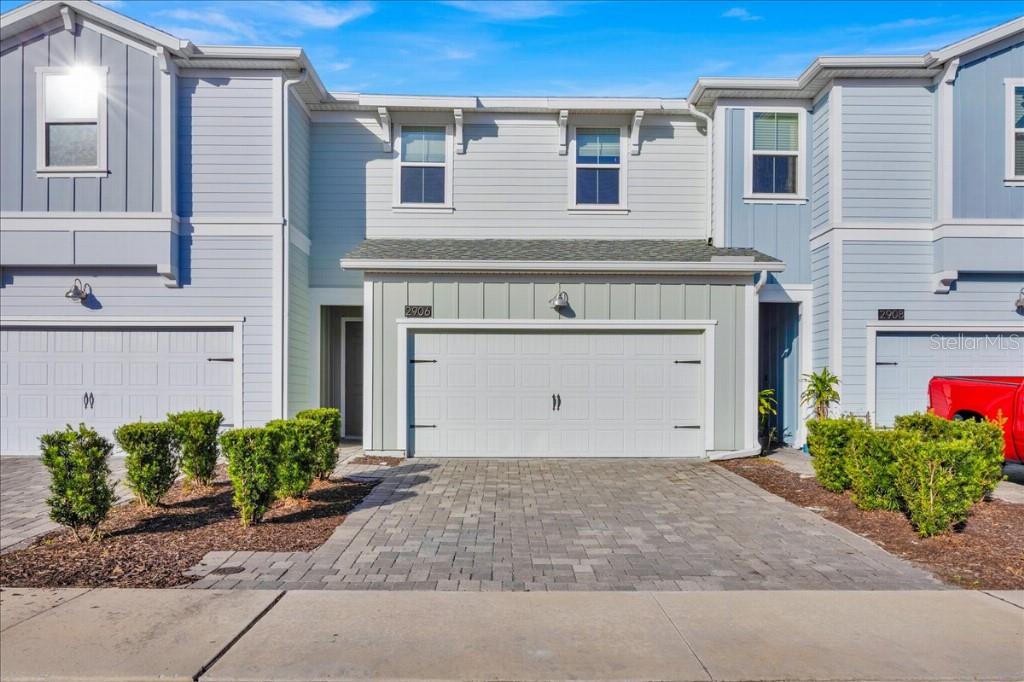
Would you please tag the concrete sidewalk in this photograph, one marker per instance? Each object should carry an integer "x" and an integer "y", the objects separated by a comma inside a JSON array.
[{"x": 267, "y": 635}]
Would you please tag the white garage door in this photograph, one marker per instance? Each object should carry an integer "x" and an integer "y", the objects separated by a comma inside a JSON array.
[
  {"x": 556, "y": 394},
  {"x": 106, "y": 377},
  {"x": 905, "y": 363}
]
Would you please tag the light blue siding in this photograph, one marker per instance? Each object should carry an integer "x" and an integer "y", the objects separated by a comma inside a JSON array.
[
  {"x": 888, "y": 153},
  {"x": 980, "y": 254},
  {"x": 979, "y": 137},
  {"x": 133, "y": 106},
  {"x": 820, "y": 171},
  {"x": 225, "y": 146},
  {"x": 779, "y": 230},
  {"x": 298, "y": 166},
  {"x": 900, "y": 275},
  {"x": 820, "y": 305},
  {"x": 300, "y": 373},
  {"x": 221, "y": 277}
]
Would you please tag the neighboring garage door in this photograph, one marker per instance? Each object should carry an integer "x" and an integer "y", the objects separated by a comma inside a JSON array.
[
  {"x": 904, "y": 363},
  {"x": 556, "y": 394},
  {"x": 107, "y": 377}
]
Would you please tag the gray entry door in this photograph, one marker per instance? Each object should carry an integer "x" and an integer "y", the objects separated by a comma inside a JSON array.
[{"x": 353, "y": 425}]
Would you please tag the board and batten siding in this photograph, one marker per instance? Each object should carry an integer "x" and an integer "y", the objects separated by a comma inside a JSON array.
[
  {"x": 779, "y": 230},
  {"x": 979, "y": 137},
  {"x": 133, "y": 126},
  {"x": 510, "y": 183},
  {"x": 221, "y": 277},
  {"x": 888, "y": 151},
  {"x": 820, "y": 324},
  {"x": 526, "y": 298},
  {"x": 225, "y": 145},
  {"x": 820, "y": 190},
  {"x": 887, "y": 274}
]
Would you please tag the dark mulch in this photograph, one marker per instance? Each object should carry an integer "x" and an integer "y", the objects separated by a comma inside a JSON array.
[
  {"x": 152, "y": 547},
  {"x": 375, "y": 459},
  {"x": 986, "y": 553}
]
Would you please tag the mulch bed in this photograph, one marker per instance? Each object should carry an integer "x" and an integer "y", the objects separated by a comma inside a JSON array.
[
  {"x": 152, "y": 547},
  {"x": 986, "y": 553},
  {"x": 377, "y": 460}
]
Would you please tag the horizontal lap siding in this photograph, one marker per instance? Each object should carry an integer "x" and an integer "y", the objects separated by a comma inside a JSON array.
[
  {"x": 819, "y": 164},
  {"x": 133, "y": 126},
  {"x": 300, "y": 373},
  {"x": 979, "y": 137},
  {"x": 900, "y": 275},
  {"x": 220, "y": 277},
  {"x": 888, "y": 153},
  {"x": 225, "y": 146},
  {"x": 779, "y": 230},
  {"x": 590, "y": 298}
]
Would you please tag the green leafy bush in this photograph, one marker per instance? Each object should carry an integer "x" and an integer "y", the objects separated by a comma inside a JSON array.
[
  {"x": 252, "y": 468},
  {"x": 827, "y": 440},
  {"x": 296, "y": 456},
  {"x": 196, "y": 433},
  {"x": 80, "y": 493},
  {"x": 151, "y": 462},
  {"x": 328, "y": 438},
  {"x": 927, "y": 424},
  {"x": 870, "y": 462}
]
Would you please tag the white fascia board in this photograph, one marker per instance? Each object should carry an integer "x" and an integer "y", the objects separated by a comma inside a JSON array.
[
  {"x": 724, "y": 267},
  {"x": 516, "y": 104},
  {"x": 977, "y": 41}
]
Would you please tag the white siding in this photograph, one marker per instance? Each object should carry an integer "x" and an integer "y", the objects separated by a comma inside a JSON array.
[{"x": 299, "y": 371}]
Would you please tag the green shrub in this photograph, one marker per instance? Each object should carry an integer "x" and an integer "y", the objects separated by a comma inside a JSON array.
[
  {"x": 80, "y": 493},
  {"x": 196, "y": 433},
  {"x": 827, "y": 440},
  {"x": 870, "y": 462},
  {"x": 296, "y": 456},
  {"x": 151, "y": 462},
  {"x": 927, "y": 424},
  {"x": 327, "y": 440},
  {"x": 252, "y": 468}
]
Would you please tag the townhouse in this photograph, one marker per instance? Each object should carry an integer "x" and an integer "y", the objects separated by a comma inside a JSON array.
[{"x": 185, "y": 226}]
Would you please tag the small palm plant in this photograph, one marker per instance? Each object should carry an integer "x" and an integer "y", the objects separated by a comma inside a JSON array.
[
  {"x": 767, "y": 407},
  {"x": 821, "y": 393}
]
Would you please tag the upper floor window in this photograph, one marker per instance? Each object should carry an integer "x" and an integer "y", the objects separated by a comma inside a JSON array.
[
  {"x": 775, "y": 156},
  {"x": 1015, "y": 130},
  {"x": 71, "y": 120},
  {"x": 599, "y": 173},
  {"x": 424, "y": 166}
]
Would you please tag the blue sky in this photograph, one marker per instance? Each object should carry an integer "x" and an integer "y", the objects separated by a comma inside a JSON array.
[{"x": 546, "y": 47}]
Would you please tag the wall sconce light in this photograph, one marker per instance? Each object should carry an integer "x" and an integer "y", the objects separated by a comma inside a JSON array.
[
  {"x": 1020, "y": 300},
  {"x": 561, "y": 300},
  {"x": 78, "y": 291}
]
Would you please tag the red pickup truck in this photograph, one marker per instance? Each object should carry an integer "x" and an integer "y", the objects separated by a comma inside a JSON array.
[{"x": 983, "y": 398}]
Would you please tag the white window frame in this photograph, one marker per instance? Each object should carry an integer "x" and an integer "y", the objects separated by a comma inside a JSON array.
[
  {"x": 798, "y": 197},
  {"x": 42, "y": 169},
  {"x": 622, "y": 206},
  {"x": 1011, "y": 179},
  {"x": 449, "y": 156}
]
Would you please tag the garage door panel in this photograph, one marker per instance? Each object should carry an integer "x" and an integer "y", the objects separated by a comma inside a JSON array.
[
  {"x": 108, "y": 341},
  {"x": 490, "y": 394}
]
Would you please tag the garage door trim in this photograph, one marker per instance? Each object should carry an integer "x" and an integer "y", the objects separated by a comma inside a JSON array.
[
  {"x": 407, "y": 326},
  {"x": 894, "y": 327},
  {"x": 82, "y": 322}
]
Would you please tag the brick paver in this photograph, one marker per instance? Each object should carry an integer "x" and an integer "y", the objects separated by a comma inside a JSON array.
[
  {"x": 556, "y": 524},
  {"x": 24, "y": 487}
]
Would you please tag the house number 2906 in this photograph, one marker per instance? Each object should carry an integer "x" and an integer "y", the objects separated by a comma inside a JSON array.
[{"x": 419, "y": 311}]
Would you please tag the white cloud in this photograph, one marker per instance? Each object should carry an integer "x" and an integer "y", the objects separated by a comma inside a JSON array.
[
  {"x": 110, "y": 3},
  {"x": 206, "y": 26},
  {"x": 509, "y": 10},
  {"x": 741, "y": 13},
  {"x": 322, "y": 15},
  {"x": 338, "y": 66}
]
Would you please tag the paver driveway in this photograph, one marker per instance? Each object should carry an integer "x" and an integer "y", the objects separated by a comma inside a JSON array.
[{"x": 547, "y": 524}]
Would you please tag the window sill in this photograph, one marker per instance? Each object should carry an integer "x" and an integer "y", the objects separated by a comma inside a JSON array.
[
  {"x": 425, "y": 208},
  {"x": 72, "y": 173},
  {"x": 607, "y": 210},
  {"x": 782, "y": 199},
  {"x": 1013, "y": 182}
]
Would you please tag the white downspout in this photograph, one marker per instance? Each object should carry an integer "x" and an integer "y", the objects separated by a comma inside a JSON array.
[
  {"x": 710, "y": 175},
  {"x": 286, "y": 235}
]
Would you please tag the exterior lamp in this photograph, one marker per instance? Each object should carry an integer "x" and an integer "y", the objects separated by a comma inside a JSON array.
[
  {"x": 1020, "y": 300},
  {"x": 78, "y": 291},
  {"x": 560, "y": 301}
]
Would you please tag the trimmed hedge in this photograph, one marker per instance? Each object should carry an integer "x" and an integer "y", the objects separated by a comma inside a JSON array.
[
  {"x": 328, "y": 438},
  {"x": 196, "y": 433},
  {"x": 296, "y": 457},
  {"x": 80, "y": 491},
  {"x": 252, "y": 468},
  {"x": 827, "y": 440},
  {"x": 870, "y": 463},
  {"x": 151, "y": 464}
]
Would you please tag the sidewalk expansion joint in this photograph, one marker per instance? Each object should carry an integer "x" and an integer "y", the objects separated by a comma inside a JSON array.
[
  {"x": 682, "y": 636},
  {"x": 242, "y": 633},
  {"x": 1005, "y": 601}
]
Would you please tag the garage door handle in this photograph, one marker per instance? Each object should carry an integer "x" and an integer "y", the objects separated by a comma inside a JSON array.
[
  {"x": 893, "y": 364},
  {"x": 92, "y": 399},
  {"x": 553, "y": 402},
  {"x": 687, "y": 426},
  {"x": 220, "y": 359},
  {"x": 423, "y": 426},
  {"x": 85, "y": 400},
  {"x": 687, "y": 362},
  {"x": 559, "y": 408}
]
